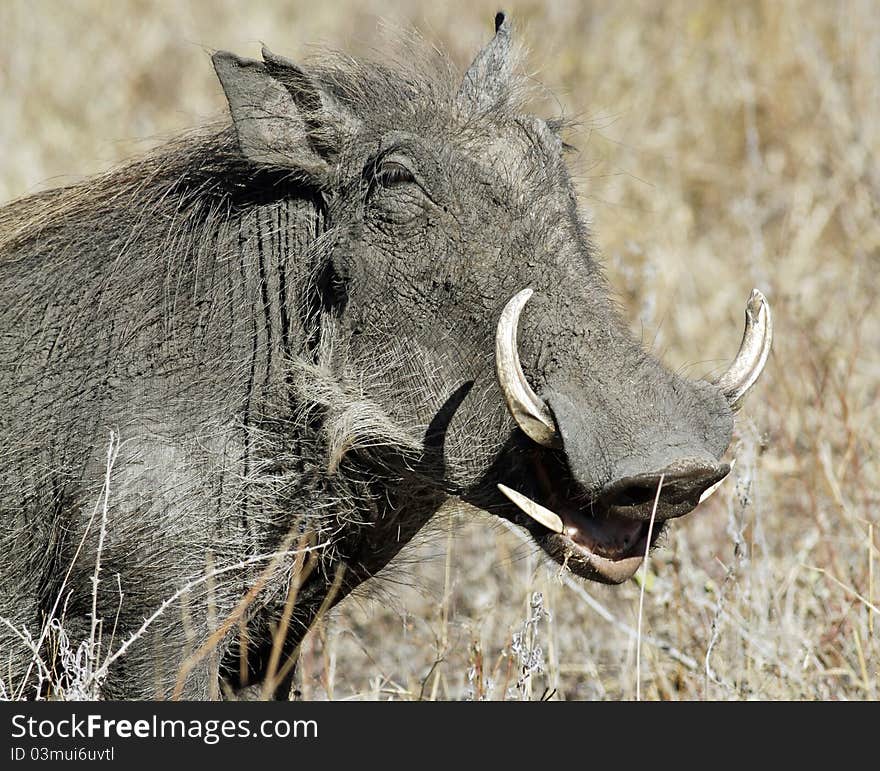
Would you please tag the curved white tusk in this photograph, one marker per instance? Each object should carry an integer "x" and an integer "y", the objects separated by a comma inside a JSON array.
[
  {"x": 535, "y": 510},
  {"x": 753, "y": 352},
  {"x": 527, "y": 408}
]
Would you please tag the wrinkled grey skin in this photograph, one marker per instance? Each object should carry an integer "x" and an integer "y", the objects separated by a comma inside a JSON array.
[{"x": 290, "y": 325}]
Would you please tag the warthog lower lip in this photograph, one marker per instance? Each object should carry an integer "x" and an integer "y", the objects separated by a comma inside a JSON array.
[{"x": 613, "y": 547}]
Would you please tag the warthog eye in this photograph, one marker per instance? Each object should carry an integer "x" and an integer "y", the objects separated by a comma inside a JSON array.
[
  {"x": 392, "y": 173},
  {"x": 395, "y": 192}
]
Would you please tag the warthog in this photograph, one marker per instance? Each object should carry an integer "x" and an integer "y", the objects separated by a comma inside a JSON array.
[{"x": 369, "y": 296}]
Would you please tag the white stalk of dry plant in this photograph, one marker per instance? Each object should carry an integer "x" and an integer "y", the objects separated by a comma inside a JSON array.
[
  {"x": 92, "y": 652},
  {"x": 642, "y": 591}
]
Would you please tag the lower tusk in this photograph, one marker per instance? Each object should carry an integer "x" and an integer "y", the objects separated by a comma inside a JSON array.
[
  {"x": 535, "y": 510},
  {"x": 709, "y": 490}
]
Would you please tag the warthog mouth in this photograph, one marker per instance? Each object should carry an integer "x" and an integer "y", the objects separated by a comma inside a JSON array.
[{"x": 600, "y": 537}]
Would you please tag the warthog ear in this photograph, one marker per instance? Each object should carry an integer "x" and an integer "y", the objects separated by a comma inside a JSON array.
[
  {"x": 489, "y": 75},
  {"x": 282, "y": 118}
]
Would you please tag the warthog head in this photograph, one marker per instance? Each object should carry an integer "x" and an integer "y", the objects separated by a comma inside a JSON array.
[{"x": 459, "y": 283}]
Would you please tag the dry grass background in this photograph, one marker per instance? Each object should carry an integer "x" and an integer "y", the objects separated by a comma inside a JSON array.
[{"x": 724, "y": 145}]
